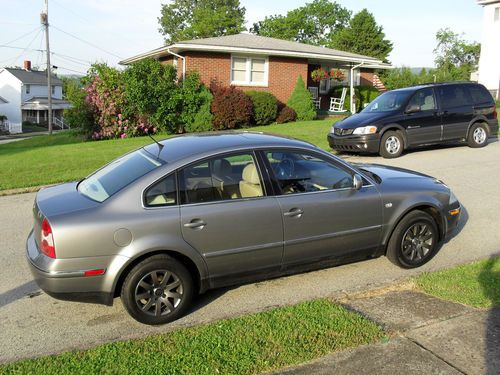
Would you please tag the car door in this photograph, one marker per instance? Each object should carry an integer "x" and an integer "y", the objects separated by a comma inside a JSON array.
[
  {"x": 456, "y": 111},
  {"x": 421, "y": 119},
  {"x": 323, "y": 215},
  {"x": 227, "y": 216}
]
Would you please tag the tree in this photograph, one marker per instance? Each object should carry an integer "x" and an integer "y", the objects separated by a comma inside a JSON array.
[
  {"x": 455, "y": 58},
  {"x": 194, "y": 19},
  {"x": 363, "y": 36},
  {"x": 313, "y": 23},
  {"x": 80, "y": 115},
  {"x": 301, "y": 102}
]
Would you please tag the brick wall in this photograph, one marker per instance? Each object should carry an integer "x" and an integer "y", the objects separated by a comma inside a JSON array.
[{"x": 283, "y": 71}]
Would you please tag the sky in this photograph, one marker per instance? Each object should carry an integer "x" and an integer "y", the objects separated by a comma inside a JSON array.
[{"x": 85, "y": 31}]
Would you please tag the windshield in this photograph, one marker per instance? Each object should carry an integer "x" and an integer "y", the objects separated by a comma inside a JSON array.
[
  {"x": 389, "y": 101},
  {"x": 116, "y": 175}
]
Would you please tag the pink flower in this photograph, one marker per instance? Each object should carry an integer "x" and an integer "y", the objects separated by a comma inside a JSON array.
[{"x": 123, "y": 136}]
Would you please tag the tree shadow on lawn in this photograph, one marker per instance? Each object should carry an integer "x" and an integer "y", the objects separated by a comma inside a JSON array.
[{"x": 489, "y": 278}]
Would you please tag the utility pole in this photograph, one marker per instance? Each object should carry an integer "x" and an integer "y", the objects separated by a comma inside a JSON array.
[{"x": 44, "y": 18}]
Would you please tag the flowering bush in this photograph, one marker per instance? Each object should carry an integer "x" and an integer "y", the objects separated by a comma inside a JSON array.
[{"x": 231, "y": 108}]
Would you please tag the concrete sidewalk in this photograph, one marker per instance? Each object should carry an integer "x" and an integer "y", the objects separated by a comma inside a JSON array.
[{"x": 427, "y": 336}]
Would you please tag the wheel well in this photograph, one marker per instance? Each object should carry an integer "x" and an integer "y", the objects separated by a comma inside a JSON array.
[
  {"x": 480, "y": 121},
  {"x": 396, "y": 129},
  {"x": 433, "y": 212},
  {"x": 186, "y": 261}
]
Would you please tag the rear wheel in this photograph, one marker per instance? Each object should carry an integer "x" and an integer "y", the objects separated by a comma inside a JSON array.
[
  {"x": 391, "y": 144},
  {"x": 478, "y": 136},
  {"x": 414, "y": 241},
  {"x": 158, "y": 290}
]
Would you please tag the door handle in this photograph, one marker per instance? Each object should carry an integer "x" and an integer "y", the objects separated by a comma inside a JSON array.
[
  {"x": 195, "y": 224},
  {"x": 294, "y": 212}
]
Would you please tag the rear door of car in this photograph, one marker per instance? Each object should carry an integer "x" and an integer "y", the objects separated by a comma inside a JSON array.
[
  {"x": 456, "y": 110},
  {"x": 422, "y": 123},
  {"x": 324, "y": 216},
  {"x": 229, "y": 216}
]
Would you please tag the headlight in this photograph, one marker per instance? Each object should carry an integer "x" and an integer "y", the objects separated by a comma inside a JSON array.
[
  {"x": 365, "y": 130},
  {"x": 453, "y": 198}
]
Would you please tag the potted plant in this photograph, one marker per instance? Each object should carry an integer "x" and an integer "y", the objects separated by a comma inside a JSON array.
[
  {"x": 337, "y": 75},
  {"x": 319, "y": 74}
]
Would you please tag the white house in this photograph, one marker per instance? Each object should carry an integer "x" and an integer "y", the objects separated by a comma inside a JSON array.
[
  {"x": 489, "y": 61},
  {"x": 24, "y": 97}
]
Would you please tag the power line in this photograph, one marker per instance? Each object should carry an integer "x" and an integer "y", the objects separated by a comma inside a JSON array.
[
  {"x": 24, "y": 35},
  {"x": 13, "y": 47},
  {"x": 73, "y": 58},
  {"x": 27, "y": 47},
  {"x": 86, "y": 42}
]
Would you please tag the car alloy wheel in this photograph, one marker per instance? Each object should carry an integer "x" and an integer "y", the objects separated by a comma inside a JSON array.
[
  {"x": 479, "y": 135},
  {"x": 159, "y": 293},
  {"x": 392, "y": 145},
  {"x": 417, "y": 242}
]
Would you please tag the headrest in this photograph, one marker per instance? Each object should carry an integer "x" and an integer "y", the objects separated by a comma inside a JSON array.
[
  {"x": 222, "y": 167},
  {"x": 250, "y": 174}
]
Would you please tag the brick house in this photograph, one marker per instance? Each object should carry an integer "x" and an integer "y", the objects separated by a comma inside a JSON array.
[{"x": 252, "y": 62}]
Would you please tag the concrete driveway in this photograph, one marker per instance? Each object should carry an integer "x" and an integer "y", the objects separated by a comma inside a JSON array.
[{"x": 33, "y": 324}]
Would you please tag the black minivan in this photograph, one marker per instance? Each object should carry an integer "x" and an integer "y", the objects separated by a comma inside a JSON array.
[{"x": 419, "y": 115}]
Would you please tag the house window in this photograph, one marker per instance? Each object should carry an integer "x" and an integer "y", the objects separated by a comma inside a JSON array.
[
  {"x": 53, "y": 90},
  {"x": 252, "y": 71},
  {"x": 28, "y": 89}
]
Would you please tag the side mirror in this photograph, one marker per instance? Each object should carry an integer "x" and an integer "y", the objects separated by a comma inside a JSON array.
[
  {"x": 413, "y": 108},
  {"x": 357, "y": 181}
]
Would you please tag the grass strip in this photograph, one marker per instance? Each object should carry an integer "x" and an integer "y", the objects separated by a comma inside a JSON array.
[
  {"x": 62, "y": 157},
  {"x": 476, "y": 284},
  {"x": 245, "y": 345}
]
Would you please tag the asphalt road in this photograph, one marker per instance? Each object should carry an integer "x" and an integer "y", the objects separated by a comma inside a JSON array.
[{"x": 33, "y": 324}]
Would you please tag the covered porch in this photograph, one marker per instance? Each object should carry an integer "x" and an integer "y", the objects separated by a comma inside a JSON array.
[{"x": 36, "y": 111}]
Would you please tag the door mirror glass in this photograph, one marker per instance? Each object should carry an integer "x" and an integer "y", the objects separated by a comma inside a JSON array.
[
  {"x": 357, "y": 182},
  {"x": 413, "y": 109}
]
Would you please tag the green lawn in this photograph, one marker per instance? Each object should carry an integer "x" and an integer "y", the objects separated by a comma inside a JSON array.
[
  {"x": 476, "y": 284},
  {"x": 245, "y": 345},
  {"x": 65, "y": 156}
]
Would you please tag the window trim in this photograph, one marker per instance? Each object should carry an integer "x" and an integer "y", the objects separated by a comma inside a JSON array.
[
  {"x": 248, "y": 71},
  {"x": 177, "y": 196},
  {"x": 28, "y": 88}
]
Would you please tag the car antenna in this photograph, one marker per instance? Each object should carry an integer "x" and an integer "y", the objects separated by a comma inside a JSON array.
[{"x": 160, "y": 146}]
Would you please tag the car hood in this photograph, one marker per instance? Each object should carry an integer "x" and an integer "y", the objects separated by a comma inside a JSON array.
[
  {"x": 61, "y": 199},
  {"x": 388, "y": 174},
  {"x": 363, "y": 119}
]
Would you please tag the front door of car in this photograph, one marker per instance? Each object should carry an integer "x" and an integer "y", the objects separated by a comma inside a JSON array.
[
  {"x": 456, "y": 111},
  {"x": 324, "y": 216},
  {"x": 227, "y": 217},
  {"x": 421, "y": 119}
]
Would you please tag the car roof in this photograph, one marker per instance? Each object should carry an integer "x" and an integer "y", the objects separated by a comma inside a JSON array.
[
  {"x": 185, "y": 146},
  {"x": 433, "y": 84}
]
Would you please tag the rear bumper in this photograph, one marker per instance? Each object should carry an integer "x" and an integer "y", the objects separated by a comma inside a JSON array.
[
  {"x": 65, "y": 279},
  {"x": 355, "y": 143},
  {"x": 493, "y": 129}
]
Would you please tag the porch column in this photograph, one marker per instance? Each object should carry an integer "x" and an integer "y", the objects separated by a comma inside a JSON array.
[{"x": 38, "y": 117}]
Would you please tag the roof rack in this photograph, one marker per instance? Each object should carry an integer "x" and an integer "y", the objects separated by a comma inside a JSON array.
[{"x": 442, "y": 83}]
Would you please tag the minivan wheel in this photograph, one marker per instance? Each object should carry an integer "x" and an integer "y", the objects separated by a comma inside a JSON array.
[
  {"x": 414, "y": 241},
  {"x": 391, "y": 145},
  {"x": 478, "y": 136},
  {"x": 157, "y": 290}
]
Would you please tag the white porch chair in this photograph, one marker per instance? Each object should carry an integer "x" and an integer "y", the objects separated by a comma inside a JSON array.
[
  {"x": 337, "y": 104},
  {"x": 315, "y": 96}
]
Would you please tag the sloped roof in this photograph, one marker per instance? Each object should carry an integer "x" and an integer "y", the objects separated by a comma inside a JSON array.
[
  {"x": 34, "y": 77},
  {"x": 256, "y": 44}
]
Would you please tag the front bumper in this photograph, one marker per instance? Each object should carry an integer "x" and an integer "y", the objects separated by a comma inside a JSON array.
[
  {"x": 452, "y": 218},
  {"x": 65, "y": 278},
  {"x": 355, "y": 143}
]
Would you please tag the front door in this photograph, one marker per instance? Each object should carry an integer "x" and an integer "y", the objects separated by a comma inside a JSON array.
[
  {"x": 421, "y": 118},
  {"x": 324, "y": 216},
  {"x": 230, "y": 220}
]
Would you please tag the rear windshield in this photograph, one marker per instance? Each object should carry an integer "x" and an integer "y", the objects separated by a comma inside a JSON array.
[
  {"x": 389, "y": 101},
  {"x": 116, "y": 175}
]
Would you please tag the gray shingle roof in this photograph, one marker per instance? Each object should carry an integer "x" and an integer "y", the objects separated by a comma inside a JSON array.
[
  {"x": 261, "y": 42},
  {"x": 33, "y": 77}
]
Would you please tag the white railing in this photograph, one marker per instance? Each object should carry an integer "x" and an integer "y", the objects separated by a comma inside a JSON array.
[
  {"x": 60, "y": 122},
  {"x": 12, "y": 128}
]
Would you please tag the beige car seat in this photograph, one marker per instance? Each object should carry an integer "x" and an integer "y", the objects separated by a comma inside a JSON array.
[{"x": 250, "y": 183}]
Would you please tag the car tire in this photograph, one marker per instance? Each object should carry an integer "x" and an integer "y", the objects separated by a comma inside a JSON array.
[
  {"x": 478, "y": 135},
  {"x": 162, "y": 300},
  {"x": 414, "y": 241},
  {"x": 391, "y": 144}
]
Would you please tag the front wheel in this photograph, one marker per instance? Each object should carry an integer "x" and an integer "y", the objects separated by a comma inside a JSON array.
[
  {"x": 414, "y": 241},
  {"x": 157, "y": 290},
  {"x": 478, "y": 136},
  {"x": 391, "y": 145}
]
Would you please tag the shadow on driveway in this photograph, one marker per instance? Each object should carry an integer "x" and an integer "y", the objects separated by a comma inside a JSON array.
[{"x": 27, "y": 289}]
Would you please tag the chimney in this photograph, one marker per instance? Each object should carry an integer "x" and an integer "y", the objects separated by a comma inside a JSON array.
[{"x": 27, "y": 65}]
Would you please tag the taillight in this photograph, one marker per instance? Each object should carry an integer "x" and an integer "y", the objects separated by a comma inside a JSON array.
[
  {"x": 494, "y": 112},
  {"x": 47, "y": 240}
]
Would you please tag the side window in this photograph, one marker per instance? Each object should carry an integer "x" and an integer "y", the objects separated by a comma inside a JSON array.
[
  {"x": 163, "y": 193},
  {"x": 303, "y": 173},
  {"x": 479, "y": 94},
  {"x": 453, "y": 96},
  {"x": 222, "y": 178},
  {"x": 424, "y": 99}
]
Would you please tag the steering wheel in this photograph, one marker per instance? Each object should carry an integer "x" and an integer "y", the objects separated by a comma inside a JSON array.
[
  {"x": 285, "y": 169},
  {"x": 342, "y": 183}
]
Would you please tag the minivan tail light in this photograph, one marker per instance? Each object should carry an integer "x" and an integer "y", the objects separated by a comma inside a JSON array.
[
  {"x": 47, "y": 244},
  {"x": 495, "y": 112}
]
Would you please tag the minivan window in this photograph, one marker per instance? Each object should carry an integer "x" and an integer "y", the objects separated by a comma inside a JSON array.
[
  {"x": 116, "y": 175},
  {"x": 389, "y": 101},
  {"x": 424, "y": 99},
  {"x": 479, "y": 94},
  {"x": 453, "y": 96}
]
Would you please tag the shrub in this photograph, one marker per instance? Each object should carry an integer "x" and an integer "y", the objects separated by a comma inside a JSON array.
[
  {"x": 231, "y": 108},
  {"x": 287, "y": 114},
  {"x": 301, "y": 102},
  {"x": 80, "y": 116},
  {"x": 265, "y": 107},
  {"x": 367, "y": 95},
  {"x": 203, "y": 119}
]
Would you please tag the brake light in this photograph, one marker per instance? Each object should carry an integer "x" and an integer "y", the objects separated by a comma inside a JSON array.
[
  {"x": 494, "y": 112},
  {"x": 47, "y": 240}
]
